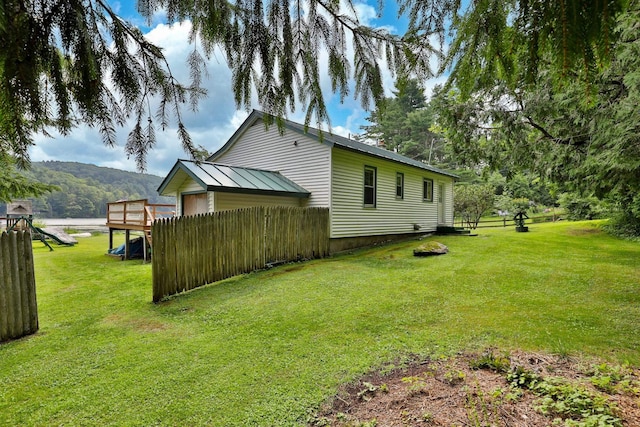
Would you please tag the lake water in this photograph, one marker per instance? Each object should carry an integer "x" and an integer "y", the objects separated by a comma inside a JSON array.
[
  {"x": 88, "y": 224},
  {"x": 80, "y": 224},
  {"x": 67, "y": 222},
  {"x": 84, "y": 224}
]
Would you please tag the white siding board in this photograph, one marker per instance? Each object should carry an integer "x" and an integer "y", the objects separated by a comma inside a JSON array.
[
  {"x": 229, "y": 201},
  {"x": 449, "y": 206},
  {"x": 307, "y": 163},
  {"x": 190, "y": 186},
  {"x": 448, "y": 197},
  {"x": 211, "y": 202},
  {"x": 178, "y": 203},
  {"x": 350, "y": 218}
]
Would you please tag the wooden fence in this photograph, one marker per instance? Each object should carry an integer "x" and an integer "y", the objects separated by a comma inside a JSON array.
[
  {"x": 192, "y": 251},
  {"x": 508, "y": 221},
  {"x": 18, "y": 307}
]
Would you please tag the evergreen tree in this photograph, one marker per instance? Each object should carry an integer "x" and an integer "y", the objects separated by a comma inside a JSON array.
[
  {"x": 14, "y": 185},
  {"x": 404, "y": 122},
  {"x": 582, "y": 133},
  {"x": 64, "y": 62},
  {"x": 385, "y": 129}
]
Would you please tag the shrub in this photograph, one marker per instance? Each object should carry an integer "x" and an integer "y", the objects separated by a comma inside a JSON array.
[
  {"x": 521, "y": 205},
  {"x": 623, "y": 224},
  {"x": 504, "y": 204},
  {"x": 470, "y": 202},
  {"x": 577, "y": 207}
]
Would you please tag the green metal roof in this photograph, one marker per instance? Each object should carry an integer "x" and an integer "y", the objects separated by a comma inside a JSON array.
[
  {"x": 333, "y": 141},
  {"x": 230, "y": 179}
]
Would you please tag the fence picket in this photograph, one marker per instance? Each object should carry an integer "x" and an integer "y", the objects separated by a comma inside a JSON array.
[
  {"x": 16, "y": 292},
  {"x": 31, "y": 283},
  {"x": 18, "y": 307},
  {"x": 5, "y": 288},
  {"x": 192, "y": 251}
]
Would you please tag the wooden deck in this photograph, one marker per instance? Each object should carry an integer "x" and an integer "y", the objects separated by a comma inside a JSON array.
[{"x": 135, "y": 215}]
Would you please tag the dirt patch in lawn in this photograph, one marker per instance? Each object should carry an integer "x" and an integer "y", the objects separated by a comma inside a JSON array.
[
  {"x": 583, "y": 231},
  {"x": 139, "y": 324},
  {"x": 491, "y": 389}
]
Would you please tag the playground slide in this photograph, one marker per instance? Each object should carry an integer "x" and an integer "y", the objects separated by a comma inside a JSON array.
[{"x": 57, "y": 235}]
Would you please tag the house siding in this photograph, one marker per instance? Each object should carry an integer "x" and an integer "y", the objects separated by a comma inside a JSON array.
[
  {"x": 307, "y": 162},
  {"x": 334, "y": 175},
  {"x": 229, "y": 201},
  {"x": 448, "y": 198},
  {"x": 349, "y": 217}
]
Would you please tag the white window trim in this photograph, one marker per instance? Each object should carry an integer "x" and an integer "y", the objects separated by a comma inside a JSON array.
[
  {"x": 424, "y": 196},
  {"x": 375, "y": 187},
  {"x": 401, "y": 186}
]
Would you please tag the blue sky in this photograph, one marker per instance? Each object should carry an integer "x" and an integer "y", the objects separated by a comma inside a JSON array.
[{"x": 217, "y": 117}]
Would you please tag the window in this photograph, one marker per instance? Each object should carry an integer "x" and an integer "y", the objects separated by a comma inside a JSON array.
[
  {"x": 427, "y": 190},
  {"x": 399, "y": 185},
  {"x": 369, "y": 187}
]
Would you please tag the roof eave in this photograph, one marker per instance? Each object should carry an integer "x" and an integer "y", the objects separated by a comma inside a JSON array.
[
  {"x": 365, "y": 153},
  {"x": 326, "y": 138},
  {"x": 177, "y": 167},
  {"x": 258, "y": 191}
]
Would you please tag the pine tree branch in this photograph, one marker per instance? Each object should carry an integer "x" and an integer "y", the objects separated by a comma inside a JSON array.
[{"x": 575, "y": 141}]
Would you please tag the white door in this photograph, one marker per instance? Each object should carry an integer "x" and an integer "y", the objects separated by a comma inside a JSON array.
[{"x": 441, "y": 218}]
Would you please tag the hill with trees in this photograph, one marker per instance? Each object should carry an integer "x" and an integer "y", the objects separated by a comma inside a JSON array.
[{"x": 85, "y": 190}]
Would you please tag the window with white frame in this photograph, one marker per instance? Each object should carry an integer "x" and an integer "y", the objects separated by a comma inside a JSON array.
[
  {"x": 427, "y": 190},
  {"x": 369, "y": 187},
  {"x": 399, "y": 185}
]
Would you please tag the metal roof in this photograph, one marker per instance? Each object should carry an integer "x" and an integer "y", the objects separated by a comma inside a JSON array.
[
  {"x": 230, "y": 179},
  {"x": 334, "y": 141}
]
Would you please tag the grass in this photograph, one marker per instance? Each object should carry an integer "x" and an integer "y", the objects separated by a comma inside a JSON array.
[{"x": 269, "y": 347}]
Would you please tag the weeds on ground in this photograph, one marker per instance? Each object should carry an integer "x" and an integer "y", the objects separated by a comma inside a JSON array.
[
  {"x": 490, "y": 361},
  {"x": 571, "y": 404},
  {"x": 614, "y": 379},
  {"x": 370, "y": 390}
]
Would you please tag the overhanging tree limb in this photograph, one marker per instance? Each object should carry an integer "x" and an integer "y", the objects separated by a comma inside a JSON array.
[{"x": 63, "y": 53}]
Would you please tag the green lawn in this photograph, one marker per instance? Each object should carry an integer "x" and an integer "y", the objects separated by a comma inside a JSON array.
[{"x": 269, "y": 347}]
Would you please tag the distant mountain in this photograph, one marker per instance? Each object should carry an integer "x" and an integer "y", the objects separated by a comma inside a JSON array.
[{"x": 86, "y": 189}]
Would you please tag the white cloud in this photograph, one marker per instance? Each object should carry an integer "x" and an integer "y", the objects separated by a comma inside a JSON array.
[
  {"x": 213, "y": 123},
  {"x": 366, "y": 13},
  {"x": 342, "y": 131},
  {"x": 431, "y": 83}
]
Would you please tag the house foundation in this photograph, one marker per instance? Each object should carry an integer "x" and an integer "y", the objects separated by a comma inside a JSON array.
[{"x": 348, "y": 243}]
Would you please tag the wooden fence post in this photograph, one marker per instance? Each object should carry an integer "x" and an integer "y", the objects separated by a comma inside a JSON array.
[
  {"x": 5, "y": 288},
  {"x": 18, "y": 306}
]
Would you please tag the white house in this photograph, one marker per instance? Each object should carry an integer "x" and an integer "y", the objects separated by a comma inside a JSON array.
[{"x": 372, "y": 194}]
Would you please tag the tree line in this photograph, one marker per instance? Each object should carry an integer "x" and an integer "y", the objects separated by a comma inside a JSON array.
[{"x": 83, "y": 190}]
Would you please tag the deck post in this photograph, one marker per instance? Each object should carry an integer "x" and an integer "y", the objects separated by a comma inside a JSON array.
[
  {"x": 145, "y": 248},
  {"x": 127, "y": 232},
  {"x": 135, "y": 215}
]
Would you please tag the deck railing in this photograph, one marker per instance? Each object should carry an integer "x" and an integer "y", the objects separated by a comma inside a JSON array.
[{"x": 137, "y": 213}]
